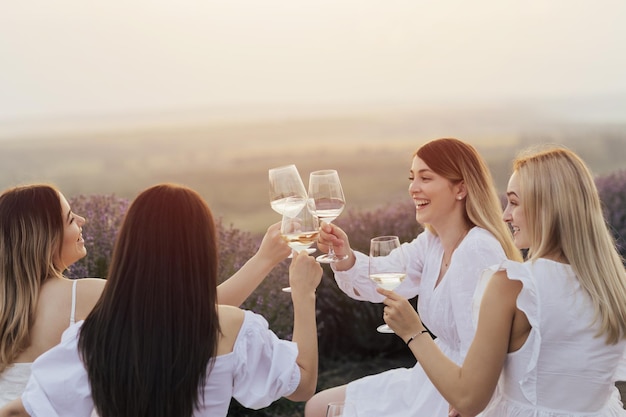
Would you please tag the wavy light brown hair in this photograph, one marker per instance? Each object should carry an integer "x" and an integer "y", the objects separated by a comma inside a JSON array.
[
  {"x": 152, "y": 337},
  {"x": 458, "y": 161},
  {"x": 31, "y": 233}
]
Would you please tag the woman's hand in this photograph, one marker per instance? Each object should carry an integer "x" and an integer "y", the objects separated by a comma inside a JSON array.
[
  {"x": 331, "y": 234},
  {"x": 305, "y": 273},
  {"x": 273, "y": 248},
  {"x": 400, "y": 315}
]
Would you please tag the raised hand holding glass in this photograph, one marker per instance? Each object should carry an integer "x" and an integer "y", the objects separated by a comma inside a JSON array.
[{"x": 299, "y": 226}]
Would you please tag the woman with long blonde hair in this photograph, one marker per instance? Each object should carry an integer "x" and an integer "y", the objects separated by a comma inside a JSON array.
[
  {"x": 40, "y": 236},
  {"x": 551, "y": 331}
]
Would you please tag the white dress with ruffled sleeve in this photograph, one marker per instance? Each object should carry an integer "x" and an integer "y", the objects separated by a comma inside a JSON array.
[
  {"x": 562, "y": 370},
  {"x": 261, "y": 369}
]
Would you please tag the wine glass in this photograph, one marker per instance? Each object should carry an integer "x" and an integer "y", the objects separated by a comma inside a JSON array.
[
  {"x": 340, "y": 409},
  {"x": 327, "y": 195},
  {"x": 285, "y": 181},
  {"x": 387, "y": 266},
  {"x": 299, "y": 226}
]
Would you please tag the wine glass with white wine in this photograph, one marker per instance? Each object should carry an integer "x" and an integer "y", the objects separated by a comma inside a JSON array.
[
  {"x": 327, "y": 194},
  {"x": 299, "y": 228},
  {"x": 387, "y": 266},
  {"x": 285, "y": 182}
]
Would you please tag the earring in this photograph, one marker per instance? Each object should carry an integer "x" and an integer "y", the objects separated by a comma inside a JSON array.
[{"x": 458, "y": 197}]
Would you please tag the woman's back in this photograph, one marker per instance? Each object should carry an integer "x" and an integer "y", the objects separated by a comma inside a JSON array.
[
  {"x": 55, "y": 308},
  {"x": 61, "y": 302},
  {"x": 252, "y": 365}
]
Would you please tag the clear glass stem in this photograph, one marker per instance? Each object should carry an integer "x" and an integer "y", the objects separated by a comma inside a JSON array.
[{"x": 331, "y": 250}]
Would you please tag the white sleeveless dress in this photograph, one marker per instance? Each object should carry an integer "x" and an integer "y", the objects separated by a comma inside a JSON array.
[
  {"x": 562, "y": 370},
  {"x": 14, "y": 378}
]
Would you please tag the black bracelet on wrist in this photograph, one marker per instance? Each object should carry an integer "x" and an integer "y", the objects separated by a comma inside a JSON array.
[{"x": 415, "y": 335}]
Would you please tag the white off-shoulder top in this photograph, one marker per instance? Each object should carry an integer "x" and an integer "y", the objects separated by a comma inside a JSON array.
[{"x": 261, "y": 369}]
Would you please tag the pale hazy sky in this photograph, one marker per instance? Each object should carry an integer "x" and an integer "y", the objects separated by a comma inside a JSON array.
[{"x": 78, "y": 57}]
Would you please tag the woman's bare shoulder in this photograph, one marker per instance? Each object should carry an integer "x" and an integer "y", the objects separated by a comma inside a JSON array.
[
  {"x": 231, "y": 320},
  {"x": 92, "y": 283},
  {"x": 88, "y": 292},
  {"x": 230, "y": 316}
]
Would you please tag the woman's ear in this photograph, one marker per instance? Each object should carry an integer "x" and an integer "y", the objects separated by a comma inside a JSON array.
[{"x": 461, "y": 190}]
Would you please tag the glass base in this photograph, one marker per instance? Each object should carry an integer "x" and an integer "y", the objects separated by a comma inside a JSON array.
[
  {"x": 383, "y": 328},
  {"x": 328, "y": 258}
]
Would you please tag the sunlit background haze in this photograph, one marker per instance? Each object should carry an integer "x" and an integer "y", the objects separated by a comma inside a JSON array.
[{"x": 111, "y": 97}]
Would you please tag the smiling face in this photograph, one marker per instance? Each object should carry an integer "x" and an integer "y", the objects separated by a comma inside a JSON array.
[
  {"x": 73, "y": 245},
  {"x": 514, "y": 214},
  {"x": 435, "y": 197}
]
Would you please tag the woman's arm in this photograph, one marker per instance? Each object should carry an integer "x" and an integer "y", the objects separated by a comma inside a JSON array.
[
  {"x": 467, "y": 388},
  {"x": 353, "y": 278},
  {"x": 305, "y": 274},
  {"x": 236, "y": 289}
]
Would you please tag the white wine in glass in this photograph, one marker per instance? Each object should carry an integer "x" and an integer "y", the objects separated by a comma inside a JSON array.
[
  {"x": 300, "y": 229},
  {"x": 387, "y": 267},
  {"x": 327, "y": 194},
  {"x": 285, "y": 182}
]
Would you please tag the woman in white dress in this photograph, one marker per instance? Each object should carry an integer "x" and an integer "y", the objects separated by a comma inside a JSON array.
[
  {"x": 551, "y": 331},
  {"x": 40, "y": 237},
  {"x": 158, "y": 344},
  {"x": 456, "y": 201}
]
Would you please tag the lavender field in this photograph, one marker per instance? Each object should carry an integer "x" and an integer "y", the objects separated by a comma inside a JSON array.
[{"x": 100, "y": 171}]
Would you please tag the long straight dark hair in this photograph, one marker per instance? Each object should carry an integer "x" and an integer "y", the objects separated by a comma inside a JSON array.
[{"x": 151, "y": 339}]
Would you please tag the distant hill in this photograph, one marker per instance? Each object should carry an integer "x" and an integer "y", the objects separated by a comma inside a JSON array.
[{"x": 227, "y": 161}]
